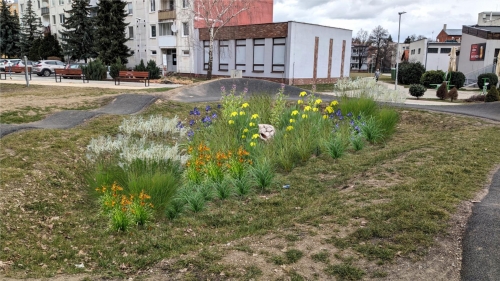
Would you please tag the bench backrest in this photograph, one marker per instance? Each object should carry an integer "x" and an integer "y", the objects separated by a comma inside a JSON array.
[
  {"x": 74, "y": 71},
  {"x": 134, "y": 74},
  {"x": 16, "y": 67}
]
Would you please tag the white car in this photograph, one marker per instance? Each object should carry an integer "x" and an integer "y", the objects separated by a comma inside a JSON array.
[
  {"x": 4, "y": 64},
  {"x": 46, "y": 67}
]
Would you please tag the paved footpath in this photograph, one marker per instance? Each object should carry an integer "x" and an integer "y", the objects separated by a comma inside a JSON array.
[{"x": 481, "y": 241}]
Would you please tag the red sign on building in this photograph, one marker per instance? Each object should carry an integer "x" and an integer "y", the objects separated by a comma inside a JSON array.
[{"x": 477, "y": 52}]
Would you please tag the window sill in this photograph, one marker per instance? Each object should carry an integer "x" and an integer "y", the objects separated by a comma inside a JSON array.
[
  {"x": 258, "y": 71},
  {"x": 223, "y": 70},
  {"x": 277, "y": 72}
]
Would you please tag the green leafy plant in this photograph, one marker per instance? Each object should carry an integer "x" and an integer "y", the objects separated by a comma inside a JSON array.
[
  {"x": 432, "y": 77},
  {"x": 493, "y": 80},
  {"x": 457, "y": 78},
  {"x": 492, "y": 95},
  {"x": 410, "y": 72},
  {"x": 335, "y": 146},
  {"x": 357, "y": 141},
  {"x": 417, "y": 90},
  {"x": 263, "y": 173},
  {"x": 141, "y": 66},
  {"x": 371, "y": 129},
  {"x": 115, "y": 68},
  {"x": 154, "y": 70},
  {"x": 95, "y": 70},
  {"x": 222, "y": 189},
  {"x": 242, "y": 186}
]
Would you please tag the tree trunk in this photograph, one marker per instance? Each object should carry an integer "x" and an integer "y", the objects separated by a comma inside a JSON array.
[{"x": 210, "y": 54}]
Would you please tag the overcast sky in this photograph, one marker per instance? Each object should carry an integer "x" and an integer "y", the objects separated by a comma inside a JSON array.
[{"x": 423, "y": 17}]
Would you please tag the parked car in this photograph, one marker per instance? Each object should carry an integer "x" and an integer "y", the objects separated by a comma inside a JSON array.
[
  {"x": 46, "y": 67},
  {"x": 7, "y": 62},
  {"x": 18, "y": 67},
  {"x": 74, "y": 65}
]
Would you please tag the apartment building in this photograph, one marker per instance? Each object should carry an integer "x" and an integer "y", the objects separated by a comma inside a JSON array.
[{"x": 359, "y": 57}]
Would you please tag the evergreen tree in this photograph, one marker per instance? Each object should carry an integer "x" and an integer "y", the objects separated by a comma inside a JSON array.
[
  {"x": 110, "y": 39},
  {"x": 34, "y": 52},
  {"x": 9, "y": 32},
  {"x": 49, "y": 47},
  {"x": 30, "y": 29},
  {"x": 77, "y": 38}
]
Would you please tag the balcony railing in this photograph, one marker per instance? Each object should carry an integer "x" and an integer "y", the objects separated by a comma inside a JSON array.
[
  {"x": 45, "y": 11},
  {"x": 166, "y": 15}
]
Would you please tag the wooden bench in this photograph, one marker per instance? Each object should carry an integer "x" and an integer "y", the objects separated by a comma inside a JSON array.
[
  {"x": 14, "y": 70},
  {"x": 70, "y": 73},
  {"x": 133, "y": 75}
]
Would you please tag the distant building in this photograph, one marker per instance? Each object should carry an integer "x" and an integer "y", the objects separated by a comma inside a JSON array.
[
  {"x": 433, "y": 55},
  {"x": 488, "y": 19},
  {"x": 359, "y": 57},
  {"x": 447, "y": 35}
]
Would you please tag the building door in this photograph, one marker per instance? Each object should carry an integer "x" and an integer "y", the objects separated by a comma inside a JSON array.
[{"x": 171, "y": 60}]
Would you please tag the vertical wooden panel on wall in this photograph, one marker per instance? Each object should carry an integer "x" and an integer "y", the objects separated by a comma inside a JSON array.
[
  {"x": 315, "y": 70},
  {"x": 330, "y": 53},
  {"x": 343, "y": 58}
]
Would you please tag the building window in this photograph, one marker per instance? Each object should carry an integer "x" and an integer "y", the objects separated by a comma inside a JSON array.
[
  {"x": 130, "y": 8},
  {"x": 153, "y": 6},
  {"x": 165, "y": 28},
  {"x": 61, "y": 2},
  {"x": 61, "y": 18},
  {"x": 53, "y": 3},
  {"x": 153, "y": 31},
  {"x": 130, "y": 32},
  {"x": 54, "y": 19},
  {"x": 241, "y": 50},
  {"x": 153, "y": 52},
  {"x": 413, "y": 51},
  {"x": 22, "y": 8},
  {"x": 223, "y": 55},
  {"x": 206, "y": 50},
  {"x": 185, "y": 29},
  {"x": 258, "y": 55},
  {"x": 445, "y": 50},
  {"x": 419, "y": 51},
  {"x": 185, "y": 52},
  {"x": 432, "y": 50},
  {"x": 38, "y": 4},
  {"x": 279, "y": 49},
  {"x": 184, "y": 3}
]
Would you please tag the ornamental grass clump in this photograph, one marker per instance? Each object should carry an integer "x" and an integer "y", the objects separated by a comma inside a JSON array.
[{"x": 335, "y": 146}]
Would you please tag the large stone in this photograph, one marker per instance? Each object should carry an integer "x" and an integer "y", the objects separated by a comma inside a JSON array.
[{"x": 266, "y": 131}]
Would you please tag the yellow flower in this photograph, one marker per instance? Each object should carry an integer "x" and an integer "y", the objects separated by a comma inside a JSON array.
[
  {"x": 243, "y": 136},
  {"x": 302, "y": 94},
  {"x": 253, "y": 144},
  {"x": 300, "y": 102},
  {"x": 295, "y": 112},
  {"x": 329, "y": 109},
  {"x": 234, "y": 113},
  {"x": 255, "y": 136},
  {"x": 242, "y": 112},
  {"x": 315, "y": 109},
  {"x": 307, "y": 108},
  {"x": 255, "y": 116},
  {"x": 231, "y": 122},
  {"x": 289, "y": 128},
  {"x": 245, "y": 130},
  {"x": 334, "y": 103},
  {"x": 324, "y": 116},
  {"x": 304, "y": 116},
  {"x": 245, "y": 105},
  {"x": 251, "y": 124},
  {"x": 292, "y": 120},
  {"x": 318, "y": 101}
]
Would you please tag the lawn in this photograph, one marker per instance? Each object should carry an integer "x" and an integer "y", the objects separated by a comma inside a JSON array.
[{"x": 349, "y": 217}]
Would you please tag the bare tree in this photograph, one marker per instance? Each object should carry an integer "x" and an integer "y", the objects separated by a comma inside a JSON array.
[
  {"x": 361, "y": 44},
  {"x": 378, "y": 38},
  {"x": 215, "y": 14}
]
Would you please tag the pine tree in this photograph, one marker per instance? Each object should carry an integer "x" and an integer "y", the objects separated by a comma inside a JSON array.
[
  {"x": 30, "y": 29},
  {"x": 9, "y": 32},
  {"x": 49, "y": 47},
  {"x": 110, "y": 39},
  {"x": 78, "y": 36}
]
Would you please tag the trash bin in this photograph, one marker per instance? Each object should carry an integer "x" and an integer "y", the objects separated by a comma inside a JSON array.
[{"x": 393, "y": 73}]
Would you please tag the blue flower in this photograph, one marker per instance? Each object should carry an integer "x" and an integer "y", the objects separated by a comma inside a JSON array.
[
  {"x": 341, "y": 117},
  {"x": 352, "y": 122},
  {"x": 191, "y": 122},
  {"x": 338, "y": 112},
  {"x": 359, "y": 117},
  {"x": 357, "y": 129},
  {"x": 206, "y": 119},
  {"x": 214, "y": 115},
  {"x": 349, "y": 114},
  {"x": 207, "y": 108},
  {"x": 218, "y": 106},
  {"x": 190, "y": 134},
  {"x": 179, "y": 125}
]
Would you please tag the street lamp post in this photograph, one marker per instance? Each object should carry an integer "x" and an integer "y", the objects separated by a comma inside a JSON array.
[{"x": 397, "y": 63}]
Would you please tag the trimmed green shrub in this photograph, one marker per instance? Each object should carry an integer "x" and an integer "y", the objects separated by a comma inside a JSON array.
[
  {"x": 492, "y": 95},
  {"x": 432, "y": 77},
  {"x": 493, "y": 80},
  {"x": 154, "y": 71},
  {"x": 410, "y": 72},
  {"x": 442, "y": 91},
  {"x": 115, "y": 68},
  {"x": 457, "y": 79},
  {"x": 453, "y": 94},
  {"x": 140, "y": 67},
  {"x": 95, "y": 70},
  {"x": 417, "y": 90}
]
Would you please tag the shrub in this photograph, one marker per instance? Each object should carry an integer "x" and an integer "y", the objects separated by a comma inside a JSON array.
[
  {"x": 140, "y": 67},
  {"x": 154, "y": 71},
  {"x": 115, "y": 68},
  {"x": 453, "y": 94},
  {"x": 457, "y": 79},
  {"x": 95, "y": 70},
  {"x": 493, "y": 80},
  {"x": 431, "y": 77},
  {"x": 442, "y": 91},
  {"x": 475, "y": 98},
  {"x": 417, "y": 90},
  {"x": 410, "y": 72},
  {"x": 492, "y": 95}
]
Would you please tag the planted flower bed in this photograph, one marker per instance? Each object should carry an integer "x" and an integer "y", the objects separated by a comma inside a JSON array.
[{"x": 173, "y": 166}]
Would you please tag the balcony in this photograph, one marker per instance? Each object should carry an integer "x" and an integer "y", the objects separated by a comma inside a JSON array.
[
  {"x": 45, "y": 11},
  {"x": 166, "y": 15},
  {"x": 167, "y": 41}
]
